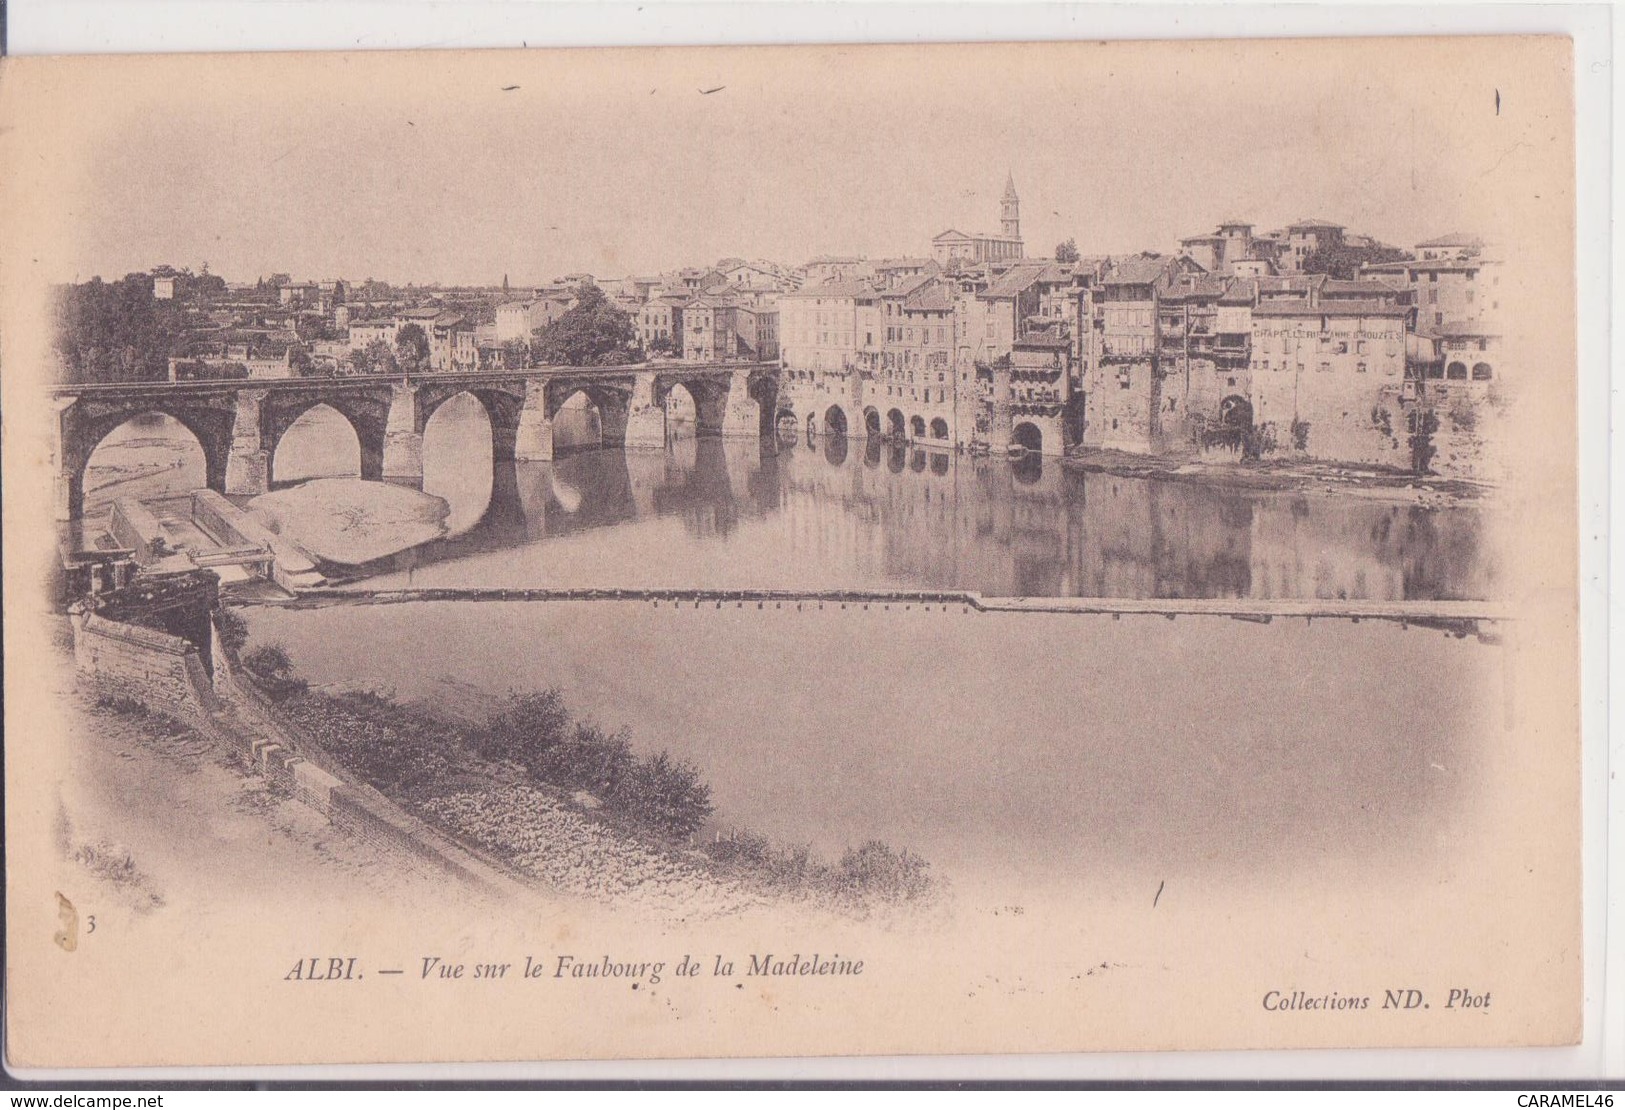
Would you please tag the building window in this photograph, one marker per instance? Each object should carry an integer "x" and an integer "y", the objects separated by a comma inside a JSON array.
[
  {"x": 1325, "y": 366},
  {"x": 1360, "y": 367},
  {"x": 1482, "y": 372},
  {"x": 1360, "y": 347},
  {"x": 1456, "y": 371}
]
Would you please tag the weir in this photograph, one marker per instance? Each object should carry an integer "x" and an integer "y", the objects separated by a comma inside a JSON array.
[{"x": 1455, "y": 616}]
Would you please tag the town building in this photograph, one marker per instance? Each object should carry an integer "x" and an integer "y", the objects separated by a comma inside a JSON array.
[
  {"x": 1452, "y": 280},
  {"x": 1123, "y": 372},
  {"x": 828, "y": 268},
  {"x": 1232, "y": 244},
  {"x": 913, "y": 391},
  {"x": 659, "y": 323},
  {"x": 954, "y": 247},
  {"x": 1328, "y": 379},
  {"x": 1305, "y": 238}
]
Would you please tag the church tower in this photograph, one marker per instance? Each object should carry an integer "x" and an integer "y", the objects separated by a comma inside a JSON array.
[{"x": 1010, "y": 209}]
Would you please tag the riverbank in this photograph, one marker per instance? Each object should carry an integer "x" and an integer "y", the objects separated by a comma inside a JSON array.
[
  {"x": 345, "y": 522},
  {"x": 563, "y": 802},
  {"x": 151, "y": 797},
  {"x": 1301, "y": 476}
]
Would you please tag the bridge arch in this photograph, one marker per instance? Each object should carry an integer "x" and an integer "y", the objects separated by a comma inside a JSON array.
[
  {"x": 136, "y": 457},
  {"x": 502, "y": 407},
  {"x": 88, "y": 425},
  {"x": 708, "y": 398},
  {"x": 896, "y": 424},
  {"x": 871, "y": 421},
  {"x": 366, "y": 411},
  {"x": 608, "y": 405},
  {"x": 319, "y": 443}
]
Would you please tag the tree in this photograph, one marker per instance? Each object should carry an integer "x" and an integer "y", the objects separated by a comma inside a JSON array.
[
  {"x": 1344, "y": 261},
  {"x": 515, "y": 354},
  {"x": 1067, "y": 252},
  {"x": 300, "y": 362},
  {"x": 662, "y": 345},
  {"x": 116, "y": 331},
  {"x": 592, "y": 333},
  {"x": 412, "y": 348}
]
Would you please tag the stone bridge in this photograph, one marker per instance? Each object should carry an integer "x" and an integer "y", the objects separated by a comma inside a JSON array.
[{"x": 239, "y": 422}]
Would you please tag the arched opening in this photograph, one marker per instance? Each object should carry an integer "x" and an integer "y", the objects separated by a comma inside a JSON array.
[
  {"x": 939, "y": 428},
  {"x": 939, "y": 463},
  {"x": 1026, "y": 435},
  {"x": 1456, "y": 371},
  {"x": 871, "y": 422},
  {"x": 812, "y": 427},
  {"x": 916, "y": 461},
  {"x": 682, "y": 413},
  {"x": 457, "y": 459},
  {"x": 785, "y": 425},
  {"x": 895, "y": 425},
  {"x": 579, "y": 424},
  {"x": 835, "y": 421},
  {"x": 322, "y": 443},
  {"x": 1482, "y": 372},
  {"x": 896, "y": 458},
  {"x": 917, "y": 426},
  {"x": 150, "y": 457}
]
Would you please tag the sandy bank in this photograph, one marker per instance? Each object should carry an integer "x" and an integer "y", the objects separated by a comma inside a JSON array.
[{"x": 349, "y": 522}]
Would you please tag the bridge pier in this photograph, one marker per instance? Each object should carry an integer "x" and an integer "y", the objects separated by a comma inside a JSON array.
[
  {"x": 248, "y": 466},
  {"x": 533, "y": 441},
  {"x": 645, "y": 415},
  {"x": 403, "y": 438},
  {"x": 741, "y": 415}
]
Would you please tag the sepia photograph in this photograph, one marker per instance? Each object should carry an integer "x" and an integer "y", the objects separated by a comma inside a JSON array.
[{"x": 790, "y": 551}]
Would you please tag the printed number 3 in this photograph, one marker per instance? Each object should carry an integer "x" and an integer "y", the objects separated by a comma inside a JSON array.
[{"x": 90, "y": 924}]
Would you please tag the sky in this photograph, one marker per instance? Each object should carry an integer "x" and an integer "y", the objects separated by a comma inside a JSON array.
[{"x": 463, "y": 168}]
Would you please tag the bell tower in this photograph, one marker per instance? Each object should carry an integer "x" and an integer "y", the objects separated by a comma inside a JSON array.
[{"x": 1010, "y": 209}]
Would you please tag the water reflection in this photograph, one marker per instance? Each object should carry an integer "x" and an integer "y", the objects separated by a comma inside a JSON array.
[
  {"x": 860, "y": 512},
  {"x": 826, "y": 512}
]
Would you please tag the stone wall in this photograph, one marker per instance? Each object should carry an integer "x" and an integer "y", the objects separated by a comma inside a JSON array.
[{"x": 162, "y": 671}]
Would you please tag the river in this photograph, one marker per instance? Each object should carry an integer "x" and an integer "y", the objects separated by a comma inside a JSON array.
[
  {"x": 832, "y": 513},
  {"x": 1015, "y": 749}
]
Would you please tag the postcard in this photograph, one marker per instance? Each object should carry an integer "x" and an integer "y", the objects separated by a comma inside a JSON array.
[{"x": 790, "y": 551}]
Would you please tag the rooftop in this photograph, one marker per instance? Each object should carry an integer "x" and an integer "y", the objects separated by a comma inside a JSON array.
[
  {"x": 1327, "y": 308},
  {"x": 859, "y": 289},
  {"x": 1135, "y": 269},
  {"x": 1455, "y": 239}
]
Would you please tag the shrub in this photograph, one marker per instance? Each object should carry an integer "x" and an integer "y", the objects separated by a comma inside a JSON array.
[
  {"x": 664, "y": 793},
  {"x": 233, "y": 630},
  {"x": 122, "y": 704},
  {"x": 271, "y": 669},
  {"x": 792, "y": 866},
  {"x": 589, "y": 760},
  {"x": 525, "y": 728},
  {"x": 878, "y": 870}
]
